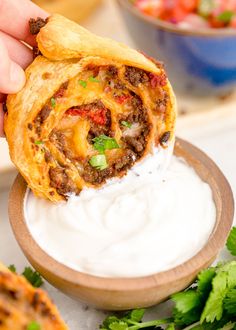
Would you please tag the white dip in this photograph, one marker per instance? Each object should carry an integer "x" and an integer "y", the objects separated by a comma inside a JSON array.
[{"x": 137, "y": 226}]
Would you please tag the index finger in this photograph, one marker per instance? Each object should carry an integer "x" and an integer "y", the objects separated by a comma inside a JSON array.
[{"x": 15, "y": 15}]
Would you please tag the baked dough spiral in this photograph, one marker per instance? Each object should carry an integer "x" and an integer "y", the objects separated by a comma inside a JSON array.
[
  {"x": 90, "y": 109},
  {"x": 22, "y": 305}
]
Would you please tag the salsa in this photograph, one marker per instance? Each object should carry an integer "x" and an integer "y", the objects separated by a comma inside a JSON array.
[{"x": 191, "y": 13}]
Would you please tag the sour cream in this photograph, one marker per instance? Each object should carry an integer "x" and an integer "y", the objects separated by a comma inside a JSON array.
[{"x": 145, "y": 223}]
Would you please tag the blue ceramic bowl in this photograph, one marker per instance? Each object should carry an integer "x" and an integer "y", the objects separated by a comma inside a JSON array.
[{"x": 198, "y": 62}]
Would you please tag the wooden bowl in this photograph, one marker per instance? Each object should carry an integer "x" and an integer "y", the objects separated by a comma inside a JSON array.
[{"x": 126, "y": 293}]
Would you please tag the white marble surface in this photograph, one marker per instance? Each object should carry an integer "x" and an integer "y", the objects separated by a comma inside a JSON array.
[{"x": 213, "y": 129}]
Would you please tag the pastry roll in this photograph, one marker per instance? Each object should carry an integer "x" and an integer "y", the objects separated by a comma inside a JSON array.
[
  {"x": 25, "y": 307},
  {"x": 90, "y": 109}
]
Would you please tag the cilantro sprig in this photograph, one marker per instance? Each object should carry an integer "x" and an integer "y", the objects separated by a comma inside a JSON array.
[{"x": 208, "y": 304}]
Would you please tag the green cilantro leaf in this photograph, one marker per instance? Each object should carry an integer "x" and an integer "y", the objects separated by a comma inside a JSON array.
[
  {"x": 126, "y": 124},
  {"x": 53, "y": 102},
  {"x": 33, "y": 277},
  {"x": 186, "y": 300},
  {"x": 137, "y": 314},
  {"x": 38, "y": 142},
  {"x": 188, "y": 306},
  {"x": 99, "y": 162},
  {"x": 204, "y": 281},
  {"x": 226, "y": 16},
  {"x": 93, "y": 79},
  {"x": 83, "y": 83},
  {"x": 12, "y": 268},
  {"x": 230, "y": 301},
  {"x": 214, "y": 306},
  {"x": 33, "y": 326},
  {"x": 231, "y": 241},
  {"x": 103, "y": 142}
]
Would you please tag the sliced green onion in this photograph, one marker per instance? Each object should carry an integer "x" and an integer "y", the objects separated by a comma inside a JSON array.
[
  {"x": 33, "y": 326},
  {"x": 103, "y": 142},
  {"x": 93, "y": 79},
  {"x": 38, "y": 142},
  {"x": 33, "y": 277},
  {"x": 83, "y": 83},
  {"x": 226, "y": 16},
  {"x": 99, "y": 162},
  {"x": 53, "y": 102},
  {"x": 126, "y": 124}
]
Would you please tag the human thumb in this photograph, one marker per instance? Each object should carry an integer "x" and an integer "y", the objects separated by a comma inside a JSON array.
[{"x": 12, "y": 76}]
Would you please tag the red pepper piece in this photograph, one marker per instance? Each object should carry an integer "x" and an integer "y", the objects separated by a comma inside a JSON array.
[
  {"x": 98, "y": 116},
  {"x": 122, "y": 98},
  {"x": 157, "y": 80},
  {"x": 76, "y": 112}
]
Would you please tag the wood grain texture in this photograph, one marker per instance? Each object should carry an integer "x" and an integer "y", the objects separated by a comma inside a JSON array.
[{"x": 126, "y": 293}]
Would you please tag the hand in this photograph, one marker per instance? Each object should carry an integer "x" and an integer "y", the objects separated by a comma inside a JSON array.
[{"x": 14, "y": 55}]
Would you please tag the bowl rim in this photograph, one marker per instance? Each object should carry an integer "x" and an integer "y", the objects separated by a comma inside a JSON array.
[
  {"x": 166, "y": 26},
  {"x": 215, "y": 243}
]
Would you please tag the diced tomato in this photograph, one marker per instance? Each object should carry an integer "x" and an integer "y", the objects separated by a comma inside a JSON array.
[
  {"x": 189, "y": 5},
  {"x": 77, "y": 112},
  {"x": 98, "y": 116},
  {"x": 215, "y": 22},
  {"x": 122, "y": 98},
  {"x": 178, "y": 11},
  {"x": 157, "y": 80},
  {"x": 149, "y": 7}
]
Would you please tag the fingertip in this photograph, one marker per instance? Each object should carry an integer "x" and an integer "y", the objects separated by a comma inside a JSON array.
[
  {"x": 1, "y": 121},
  {"x": 17, "y": 78}
]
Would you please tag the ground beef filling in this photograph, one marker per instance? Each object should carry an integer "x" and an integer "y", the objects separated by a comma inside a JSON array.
[
  {"x": 94, "y": 176},
  {"x": 59, "y": 140},
  {"x": 36, "y": 52},
  {"x": 47, "y": 108},
  {"x": 135, "y": 137},
  {"x": 36, "y": 24},
  {"x": 136, "y": 76},
  {"x": 61, "y": 181}
]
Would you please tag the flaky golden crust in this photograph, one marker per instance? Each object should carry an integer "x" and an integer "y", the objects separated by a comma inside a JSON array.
[
  {"x": 70, "y": 54},
  {"x": 21, "y": 304}
]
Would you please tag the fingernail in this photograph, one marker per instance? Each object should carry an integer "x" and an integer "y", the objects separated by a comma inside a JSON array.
[{"x": 17, "y": 77}]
